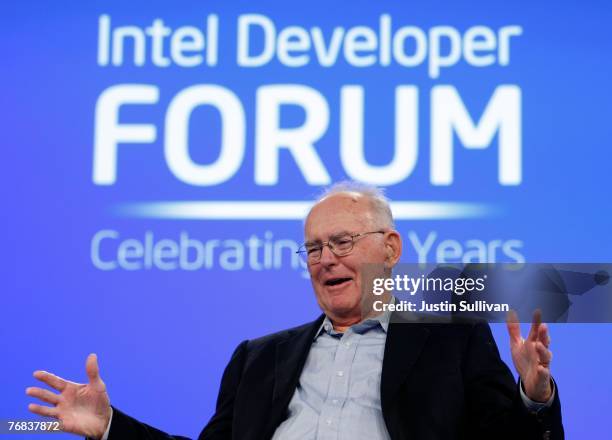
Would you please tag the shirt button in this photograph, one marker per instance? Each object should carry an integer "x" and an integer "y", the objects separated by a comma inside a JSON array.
[
  {"x": 328, "y": 421},
  {"x": 347, "y": 344},
  {"x": 335, "y": 401},
  {"x": 340, "y": 373}
]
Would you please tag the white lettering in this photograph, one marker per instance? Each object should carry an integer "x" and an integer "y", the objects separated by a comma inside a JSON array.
[
  {"x": 109, "y": 133},
  {"x": 232, "y": 135},
  {"x": 502, "y": 114},
  {"x": 352, "y": 152},
  {"x": 245, "y": 22},
  {"x": 270, "y": 137}
]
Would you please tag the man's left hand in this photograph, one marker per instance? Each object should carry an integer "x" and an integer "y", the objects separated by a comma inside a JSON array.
[{"x": 531, "y": 356}]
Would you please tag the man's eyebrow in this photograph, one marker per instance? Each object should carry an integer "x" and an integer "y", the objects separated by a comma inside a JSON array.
[
  {"x": 340, "y": 234},
  {"x": 335, "y": 235}
]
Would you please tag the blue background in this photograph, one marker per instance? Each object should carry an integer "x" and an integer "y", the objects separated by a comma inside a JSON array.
[{"x": 163, "y": 338}]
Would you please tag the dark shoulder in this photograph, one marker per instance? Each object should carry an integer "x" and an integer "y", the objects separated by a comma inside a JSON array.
[
  {"x": 456, "y": 329},
  {"x": 282, "y": 335}
]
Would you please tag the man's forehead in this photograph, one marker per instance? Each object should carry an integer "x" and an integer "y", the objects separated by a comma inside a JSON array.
[
  {"x": 345, "y": 202},
  {"x": 344, "y": 212},
  {"x": 330, "y": 236}
]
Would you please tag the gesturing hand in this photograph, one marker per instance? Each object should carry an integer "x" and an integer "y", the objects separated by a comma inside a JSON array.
[
  {"x": 82, "y": 409},
  {"x": 531, "y": 356}
]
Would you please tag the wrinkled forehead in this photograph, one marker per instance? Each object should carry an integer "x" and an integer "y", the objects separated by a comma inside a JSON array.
[{"x": 337, "y": 213}]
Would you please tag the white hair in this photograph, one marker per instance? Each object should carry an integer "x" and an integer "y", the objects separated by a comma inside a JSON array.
[{"x": 379, "y": 202}]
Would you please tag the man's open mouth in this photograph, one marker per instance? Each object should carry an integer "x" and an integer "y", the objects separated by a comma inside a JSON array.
[{"x": 337, "y": 281}]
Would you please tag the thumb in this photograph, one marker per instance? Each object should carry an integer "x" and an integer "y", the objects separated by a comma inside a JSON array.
[{"x": 92, "y": 369}]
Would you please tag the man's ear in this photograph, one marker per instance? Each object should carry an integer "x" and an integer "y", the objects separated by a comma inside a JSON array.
[{"x": 393, "y": 248}]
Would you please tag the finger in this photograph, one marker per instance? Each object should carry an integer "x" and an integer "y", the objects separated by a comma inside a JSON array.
[
  {"x": 543, "y": 335},
  {"x": 51, "y": 379},
  {"x": 514, "y": 328},
  {"x": 544, "y": 354},
  {"x": 535, "y": 325},
  {"x": 92, "y": 369},
  {"x": 46, "y": 411},
  {"x": 543, "y": 374},
  {"x": 44, "y": 395}
]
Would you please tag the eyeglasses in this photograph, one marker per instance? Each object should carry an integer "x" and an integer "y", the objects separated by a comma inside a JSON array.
[{"x": 340, "y": 245}]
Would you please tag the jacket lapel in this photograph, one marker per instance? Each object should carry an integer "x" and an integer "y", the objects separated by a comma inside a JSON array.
[
  {"x": 290, "y": 357},
  {"x": 402, "y": 349}
]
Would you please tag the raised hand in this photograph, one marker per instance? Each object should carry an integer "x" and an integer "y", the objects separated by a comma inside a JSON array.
[
  {"x": 82, "y": 409},
  {"x": 531, "y": 356}
]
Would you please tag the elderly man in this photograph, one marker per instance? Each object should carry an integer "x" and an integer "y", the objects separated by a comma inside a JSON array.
[{"x": 352, "y": 374}]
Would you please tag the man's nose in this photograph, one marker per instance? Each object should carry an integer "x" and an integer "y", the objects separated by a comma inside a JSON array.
[{"x": 328, "y": 257}]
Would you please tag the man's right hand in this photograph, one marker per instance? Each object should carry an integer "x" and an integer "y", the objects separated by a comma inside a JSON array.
[{"x": 82, "y": 409}]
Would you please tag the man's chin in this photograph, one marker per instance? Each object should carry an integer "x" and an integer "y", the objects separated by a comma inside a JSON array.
[{"x": 342, "y": 307}]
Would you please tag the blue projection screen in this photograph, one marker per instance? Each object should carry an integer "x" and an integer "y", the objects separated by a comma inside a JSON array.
[{"x": 160, "y": 158}]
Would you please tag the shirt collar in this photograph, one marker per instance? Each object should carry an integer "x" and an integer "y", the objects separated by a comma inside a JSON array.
[{"x": 381, "y": 320}]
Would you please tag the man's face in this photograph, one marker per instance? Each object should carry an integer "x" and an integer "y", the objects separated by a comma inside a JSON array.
[{"x": 337, "y": 281}]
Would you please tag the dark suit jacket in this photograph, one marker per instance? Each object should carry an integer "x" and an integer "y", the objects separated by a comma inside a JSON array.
[{"x": 439, "y": 381}]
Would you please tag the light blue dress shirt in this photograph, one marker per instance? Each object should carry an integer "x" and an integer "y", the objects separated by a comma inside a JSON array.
[{"x": 338, "y": 395}]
